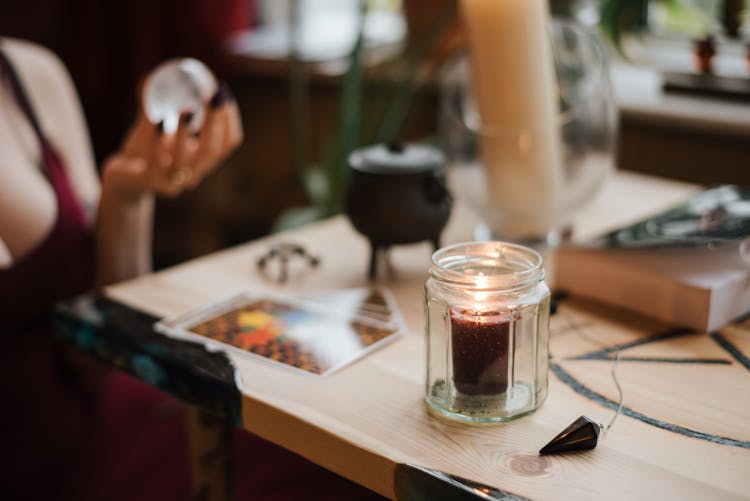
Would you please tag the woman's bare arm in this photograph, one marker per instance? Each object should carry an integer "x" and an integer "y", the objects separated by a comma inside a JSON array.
[{"x": 153, "y": 163}]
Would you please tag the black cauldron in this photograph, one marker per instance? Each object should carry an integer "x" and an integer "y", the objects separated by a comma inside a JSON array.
[{"x": 397, "y": 195}]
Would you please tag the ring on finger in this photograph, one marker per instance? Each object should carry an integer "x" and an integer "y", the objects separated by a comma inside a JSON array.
[{"x": 180, "y": 175}]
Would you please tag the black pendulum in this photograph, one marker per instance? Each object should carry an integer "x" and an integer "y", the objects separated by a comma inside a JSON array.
[{"x": 581, "y": 435}]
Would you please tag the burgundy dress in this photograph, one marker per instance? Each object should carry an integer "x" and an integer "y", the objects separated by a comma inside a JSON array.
[
  {"x": 130, "y": 441},
  {"x": 48, "y": 426},
  {"x": 42, "y": 420}
]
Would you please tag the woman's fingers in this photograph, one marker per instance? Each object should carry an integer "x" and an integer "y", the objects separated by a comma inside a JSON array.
[
  {"x": 125, "y": 176},
  {"x": 161, "y": 177},
  {"x": 179, "y": 161},
  {"x": 182, "y": 169},
  {"x": 211, "y": 143},
  {"x": 222, "y": 131},
  {"x": 234, "y": 133}
]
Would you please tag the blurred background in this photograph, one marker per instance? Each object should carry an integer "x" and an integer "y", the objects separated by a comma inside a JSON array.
[{"x": 300, "y": 69}]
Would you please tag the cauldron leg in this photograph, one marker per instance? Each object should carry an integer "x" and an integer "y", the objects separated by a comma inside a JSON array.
[
  {"x": 435, "y": 242},
  {"x": 373, "y": 260}
]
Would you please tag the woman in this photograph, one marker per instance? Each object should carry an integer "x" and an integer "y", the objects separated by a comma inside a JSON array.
[{"x": 64, "y": 229}]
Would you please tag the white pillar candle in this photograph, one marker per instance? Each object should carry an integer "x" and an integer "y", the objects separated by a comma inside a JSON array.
[{"x": 515, "y": 87}]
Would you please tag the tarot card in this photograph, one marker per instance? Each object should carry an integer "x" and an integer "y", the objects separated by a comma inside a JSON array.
[{"x": 294, "y": 333}]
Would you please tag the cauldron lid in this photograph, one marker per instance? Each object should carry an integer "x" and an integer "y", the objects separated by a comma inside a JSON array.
[{"x": 397, "y": 159}]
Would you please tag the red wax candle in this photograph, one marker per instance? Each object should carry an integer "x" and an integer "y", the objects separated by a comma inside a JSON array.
[{"x": 481, "y": 351}]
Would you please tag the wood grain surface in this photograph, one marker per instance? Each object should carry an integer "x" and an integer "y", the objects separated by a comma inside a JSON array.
[{"x": 684, "y": 432}]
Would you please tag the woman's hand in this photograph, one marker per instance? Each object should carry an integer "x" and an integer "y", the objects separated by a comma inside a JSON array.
[{"x": 151, "y": 161}]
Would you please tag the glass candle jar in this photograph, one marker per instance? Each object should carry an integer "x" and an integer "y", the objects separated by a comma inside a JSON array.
[{"x": 487, "y": 327}]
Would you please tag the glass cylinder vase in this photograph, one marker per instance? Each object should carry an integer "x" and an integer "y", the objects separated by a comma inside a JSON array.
[
  {"x": 527, "y": 176},
  {"x": 487, "y": 325}
]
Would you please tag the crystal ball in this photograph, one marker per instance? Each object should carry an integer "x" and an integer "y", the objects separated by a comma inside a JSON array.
[{"x": 175, "y": 87}]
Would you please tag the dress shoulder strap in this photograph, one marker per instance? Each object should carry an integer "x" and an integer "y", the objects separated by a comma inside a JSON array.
[
  {"x": 8, "y": 71},
  {"x": 50, "y": 158}
]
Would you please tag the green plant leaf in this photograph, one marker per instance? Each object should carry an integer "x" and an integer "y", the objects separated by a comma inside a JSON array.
[
  {"x": 619, "y": 17},
  {"x": 294, "y": 217},
  {"x": 349, "y": 124},
  {"x": 316, "y": 186},
  {"x": 298, "y": 98},
  {"x": 397, "y": 110}
]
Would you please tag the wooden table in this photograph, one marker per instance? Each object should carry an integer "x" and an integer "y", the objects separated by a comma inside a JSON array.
[{"x": 684, "y": 433}]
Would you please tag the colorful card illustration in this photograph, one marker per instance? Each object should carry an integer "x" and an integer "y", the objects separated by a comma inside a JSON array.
[{"x": 317, "y": 334}]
